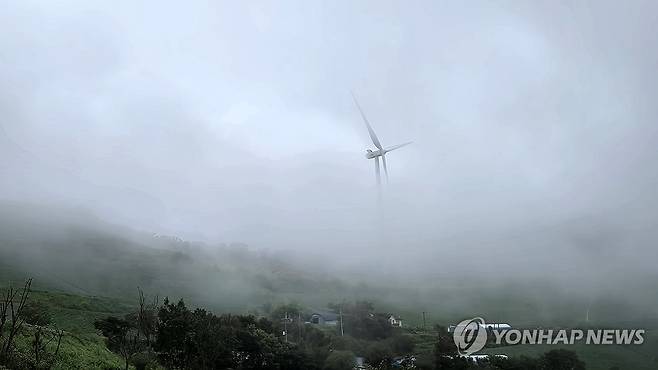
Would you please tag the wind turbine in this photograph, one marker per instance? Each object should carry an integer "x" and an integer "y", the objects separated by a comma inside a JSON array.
[{"x": 381, "y": 151}]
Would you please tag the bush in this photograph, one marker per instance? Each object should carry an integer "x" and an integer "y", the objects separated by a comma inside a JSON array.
[
  {"x": 402, "y": 344},
  {"x": 340, "y": 360},
  {"x": 36, "y": 313},
  {"x": 378, "y": 354},
  {"x": 561, "y": 359}
]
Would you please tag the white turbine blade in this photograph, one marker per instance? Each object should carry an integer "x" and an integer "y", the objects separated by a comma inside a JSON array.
[
  {"x": 373, "y": 136},
  {"x": 385, "y": 169},
  {"x": 389, "y": 149},
  {"x": 379, "y": 176}
]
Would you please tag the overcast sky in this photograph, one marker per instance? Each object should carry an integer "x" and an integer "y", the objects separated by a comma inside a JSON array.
[{"x": 534, "y": 122}]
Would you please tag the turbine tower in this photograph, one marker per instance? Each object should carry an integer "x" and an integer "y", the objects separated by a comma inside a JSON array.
[{"x": 380, "y": 151}]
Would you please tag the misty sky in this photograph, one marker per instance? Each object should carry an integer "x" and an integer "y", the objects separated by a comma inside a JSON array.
[{"x": 534, "y": 123}]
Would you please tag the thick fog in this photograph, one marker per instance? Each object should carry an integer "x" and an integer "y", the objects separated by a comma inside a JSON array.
[{"x": 534, "y": 126}]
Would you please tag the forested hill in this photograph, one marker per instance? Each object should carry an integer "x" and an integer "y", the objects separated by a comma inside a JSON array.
[
  {"x": 75, "y": 252},
  {"x": 72, "y": 251}
]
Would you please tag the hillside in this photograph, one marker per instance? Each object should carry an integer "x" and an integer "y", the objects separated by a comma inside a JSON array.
[
  {"x": 81, "y": 347},
  {"x": 84, "y": 270},
  {"x": 77, "y": 253}
]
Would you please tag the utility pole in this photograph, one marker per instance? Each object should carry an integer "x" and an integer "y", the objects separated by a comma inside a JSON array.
[
  {"x": 299, "y": 324},
  {"x": 340, "y": 312},
  {"x": 285, "y": 320},
  {"x": 285, "y": 327},
  {"x": 424, "y": 324}
]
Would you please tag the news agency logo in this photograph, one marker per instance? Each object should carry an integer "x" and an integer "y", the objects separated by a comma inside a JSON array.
[{"x": 470, "y": 336}]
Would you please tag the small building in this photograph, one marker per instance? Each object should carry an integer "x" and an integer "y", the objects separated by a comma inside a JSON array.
[
  {"x": 324, "y": 318},
  {"x": 486, "y": 326},
  {"x": 498, "y": 326},
  {"x": 395, "y": 321}
]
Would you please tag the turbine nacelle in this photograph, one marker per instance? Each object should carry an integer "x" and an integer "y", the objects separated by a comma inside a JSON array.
[{"x": 370, "y": 154}]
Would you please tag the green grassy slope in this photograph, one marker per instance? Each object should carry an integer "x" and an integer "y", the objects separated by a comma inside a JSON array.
[
  {"x": 82, "y": 347},
  {"x": 80, "y": 353},
  {"x": 76, "y": 313}
]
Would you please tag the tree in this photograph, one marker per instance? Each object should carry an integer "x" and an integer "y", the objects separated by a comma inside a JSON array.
[
  {"x": 315, "y": 343},
  {"x": 122, "y": 337},
  {"x": 379, "y": 355},
  {"x": 132, "y": 336},
  {"x": 12, "y": 319},
  {"x": 362, "y": 322},
  {"x": 561, "y": 359},
  {"x": 402, "y": 344},
  {"x": 147, "y": 317},
  {"x": 292, "y": 314},
  {"x": 36, "y": 313},
  {"x": 444, "y": 349},
  {"x": 515, "y": 363},
  {"x": 15, "y": 311},
  {"x": 292, "y": 309},
  {"x": 41, "y": 356},
  {"x": 200, "y": 340},
  {"x": 174, "y": 326},
  {"x": 339, "y": 360}
]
